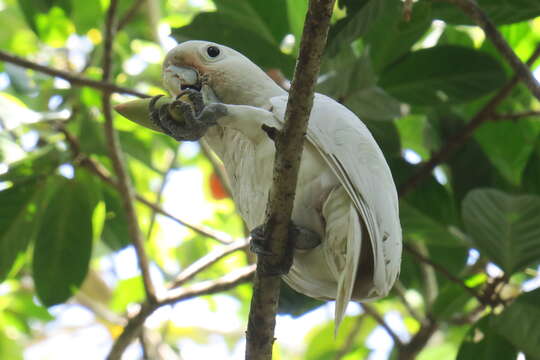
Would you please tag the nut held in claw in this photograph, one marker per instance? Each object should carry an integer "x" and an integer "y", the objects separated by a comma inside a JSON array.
[{"x": 138, "y": 110}]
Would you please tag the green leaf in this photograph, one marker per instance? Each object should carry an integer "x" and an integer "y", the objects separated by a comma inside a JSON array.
[
  {"x": 450, "y": 301},
  {"x": 442, "y": 74},
  {"x": 37, "y": 164},
  {"x": 30, "y": 8},
  {"x": 84, "y": 17},
  {"x": 296, "y": 12},
  {"x": 520, "y": 324},
  {"x": 355, "y": 25},
  {"x": 500, "y": 12},
  {"x": 531, "y": 175},
  {"x": 18, "y": 223},
  {"x": 392, "y": 36},
  {"x": 322, "y": 345},
  {"x": 504, "y": 227},
  {"x": 455, "y": 36},
  {"x": 269, "y": 19},
  {"x": 64, "y": 243},
  {"x": 8, "y": 348},
  {"x": 420, "y": 226},
  {"x": 128, "y": 291},
  {"x": 115, "y": 231},
  {"x": 483, "y": 343},
  {"x": 351, "y": 80},
  {"x": 519, "y": 140},
  {"x": 412, "y": 133}
]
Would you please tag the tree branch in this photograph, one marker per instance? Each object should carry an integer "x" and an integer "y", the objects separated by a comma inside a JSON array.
[
  {"x": 207, "y": 261},
  {"x": 443, "y": 271},
  {"x": 471, "y": 8},
  {"x": 371, "y": 311},
  {"x": 419, "y": 340},
  {"x": 100, "y": 171},
  {"x": 456, "y": 141},
  {"x": 159, "y": 193},
  {"x": 73, "y": 79},
  {"x": 399, "y": 289},
  {"x": 132, "y": 329},
  {"x": 115, "y": 152},
  {"x": 289, "y": 146}
]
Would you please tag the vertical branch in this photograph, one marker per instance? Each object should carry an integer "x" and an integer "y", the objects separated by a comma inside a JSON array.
[
  {"x": 289, "y": 146},
  {"x": 115, "y": 152}
]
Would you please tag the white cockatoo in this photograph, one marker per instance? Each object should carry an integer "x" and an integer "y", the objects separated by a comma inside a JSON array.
[{"x": 348, "y": 244}]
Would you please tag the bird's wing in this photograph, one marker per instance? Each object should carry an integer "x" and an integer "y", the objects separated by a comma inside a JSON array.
[{"x": 350, "y": 151}]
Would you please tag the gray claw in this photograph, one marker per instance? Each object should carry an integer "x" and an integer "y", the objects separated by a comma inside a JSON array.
[
  {"x": 298, "y": 238},
  {"x": 185, "y": 121},
  {"x": 196, "y": 99}
]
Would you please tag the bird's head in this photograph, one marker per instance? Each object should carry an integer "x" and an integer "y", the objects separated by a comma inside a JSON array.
[{"x": 233, "y": 78}]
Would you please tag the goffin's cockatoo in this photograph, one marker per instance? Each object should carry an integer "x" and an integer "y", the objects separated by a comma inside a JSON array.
[{"x": 347, "y": 238}]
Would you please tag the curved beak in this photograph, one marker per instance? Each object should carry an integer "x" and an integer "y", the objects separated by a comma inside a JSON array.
[{"x": 178, "y": 78}]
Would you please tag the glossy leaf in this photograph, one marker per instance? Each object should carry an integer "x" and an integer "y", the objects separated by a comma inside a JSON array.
[
  {"x": 504, "y": 227},
  {"x": 442, "y": 74},
  {"x": 483, "y": 343},
  {"x": 353, "y": 82},
  {"x": 422, "y": 227},
  {"x": 520, "y": 324},
  {"x": 356, "y": 25},
  {"x": 500, "y": 12},
  {"x": 63, "y": 243},
  {"x": 392, "y": 36},
  {"x": 519, "y": 140},
  {"x": 18, "y": 222}
]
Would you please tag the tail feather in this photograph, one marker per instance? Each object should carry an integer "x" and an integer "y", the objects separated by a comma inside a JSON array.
[{"x": 348, "y": 274}]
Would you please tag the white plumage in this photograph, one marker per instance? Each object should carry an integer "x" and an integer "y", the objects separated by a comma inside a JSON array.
[{"x": 345, "y": 189}]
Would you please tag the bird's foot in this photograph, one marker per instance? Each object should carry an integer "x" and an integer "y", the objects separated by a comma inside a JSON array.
[
  {"x": 187, "y": 117},
  {"x": 298, "y": 238}
]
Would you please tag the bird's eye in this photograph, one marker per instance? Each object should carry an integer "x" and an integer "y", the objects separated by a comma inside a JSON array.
[{"x": 212, "y": 51}]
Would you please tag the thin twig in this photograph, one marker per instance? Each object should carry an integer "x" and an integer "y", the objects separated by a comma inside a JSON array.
[
  {"x": 160, "y": 190},
  {"x": 471, "y": 8},
  {"x": 399, "y": 289},
  {"x": 443, "y": 271},
  {"x": 515, "y": 116},
  {"x": 289, "y": 145},
  {"x": 206, "y": 261},
  {"x": 132, "y": 329},
  {"x": 419, "y": 340},
  {"x": 129, "y": 14},
  {"x": 100, "y": 171},
  {"x": 115, "y": 152},
  {"x": 456, "y": 141},
  {"x": 371, "y": 311},
  {"x": 218, "y": 167},
  {"x": 351, "y": 338},
  {"x": 73, "y": 79}
]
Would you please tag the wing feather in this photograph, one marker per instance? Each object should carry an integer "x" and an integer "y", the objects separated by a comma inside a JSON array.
[{"x": 350, "y": 151}]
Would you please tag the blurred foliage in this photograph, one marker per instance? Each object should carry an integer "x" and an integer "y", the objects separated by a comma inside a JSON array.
[{"x": 415, "y": 84}]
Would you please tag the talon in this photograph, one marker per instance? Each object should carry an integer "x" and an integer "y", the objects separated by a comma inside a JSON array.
[
  {"x": 299, "y": 238},
  {"x": 195, "y": 99},
  {"x": 257, "y": 242}
]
